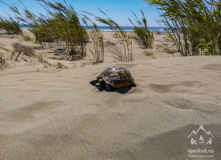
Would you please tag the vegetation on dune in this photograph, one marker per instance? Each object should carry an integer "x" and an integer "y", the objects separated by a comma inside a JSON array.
[
  {"x": 28, "y": 51},
  {"x": 4, "y": 49},
  {"x": 142, "y": 35},
  {"x": 122, "y": 49},
  {"x": 97, "y": 40},
  {"x": 17, "y": 48},
  {"x": 2, "y": 62},
  {"x": 61, "y": 66},
  {"x": 62, "y": 27},
  {"x": 61, "y": 24},
  {"x": 194, "y": 26},
  {"x": 149, "y": 54},
  {"x": 9, "y": 26}
]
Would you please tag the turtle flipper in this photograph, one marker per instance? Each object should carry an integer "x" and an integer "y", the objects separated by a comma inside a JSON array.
[
  {"x": 107, "y": 87},
  {"x": 94, "y": 82},
  {"x": 134, "y": 85}
]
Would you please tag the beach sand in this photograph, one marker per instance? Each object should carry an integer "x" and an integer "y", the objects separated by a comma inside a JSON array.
[{"x": 49, "y": 113}]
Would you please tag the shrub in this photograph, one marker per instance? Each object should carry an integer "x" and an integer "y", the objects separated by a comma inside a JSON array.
[
  {"x": 17, "y": 48},
  {"x": 41, "y": 59},
  {"x": 142, "y": 35},
  {"x": 10, "y": 26},
  {"x": 26, "y": 37},
  {"x": 62, "y": 23},
  {"x": 193, "y": 25},
  {"x": 60, "y": 66},
  {"x": 28, "y": 51},
  {"x": 149, "y": 54}
]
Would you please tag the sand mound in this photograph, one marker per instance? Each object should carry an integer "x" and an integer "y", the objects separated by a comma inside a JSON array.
[{"x": 57, "y": 114}]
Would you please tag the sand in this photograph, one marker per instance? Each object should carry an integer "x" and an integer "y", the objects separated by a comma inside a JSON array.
[{"x": 49, "y": 113}]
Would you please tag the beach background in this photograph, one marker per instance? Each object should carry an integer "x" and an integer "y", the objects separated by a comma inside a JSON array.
[
  {"x": 49, "y": 111},
  {"x": 124, "y": 28}
]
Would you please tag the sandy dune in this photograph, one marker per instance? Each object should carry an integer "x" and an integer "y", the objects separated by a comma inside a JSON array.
[{"x": 55, "y": 114}]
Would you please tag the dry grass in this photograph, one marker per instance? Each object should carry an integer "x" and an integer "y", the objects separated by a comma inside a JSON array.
[
  {"x": 109, "y": 43},
  {"x": 4, "y": 49},
  {"x": 169, "y": 48},
  {"x": 2, "y": 62},
  {"x": 61, "y": 66},
  {"x": 83, "y": 64},
  {"x": 149, "y": 54},
  {"x": 41, "y": 59},
  {"x": 28, "y": 51}
]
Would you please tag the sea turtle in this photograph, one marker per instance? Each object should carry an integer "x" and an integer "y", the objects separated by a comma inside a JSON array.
[{"x": 114, "y": 77}]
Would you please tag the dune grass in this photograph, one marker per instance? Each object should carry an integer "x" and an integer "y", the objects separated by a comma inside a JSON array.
[
  {"x": 122, "y": 49},
  {"x": 2, "y": 62},
  {"x": 61, "y": 23},
  {"x": 61, "y": 26},
  {"x": 142, "y": 34},
  {"x": 4, "y": 49},
  {"x": 193, "y": 25},
  {"x": 96, "y": 38},
  {"x": 9, "y": 26}
]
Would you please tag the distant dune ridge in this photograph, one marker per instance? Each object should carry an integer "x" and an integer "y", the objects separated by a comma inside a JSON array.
[{"x": 50, "y": 113}]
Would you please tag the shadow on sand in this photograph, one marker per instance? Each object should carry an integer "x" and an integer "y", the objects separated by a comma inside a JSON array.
[{"x": 118, "y": 90}]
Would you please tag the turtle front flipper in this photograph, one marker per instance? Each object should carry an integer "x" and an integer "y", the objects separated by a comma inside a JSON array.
[
  {"x": 94, "y": 82},
  {"x": 108, "y": 87}
]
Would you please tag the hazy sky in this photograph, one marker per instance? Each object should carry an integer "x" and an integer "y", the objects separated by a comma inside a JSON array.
[{"x": 118, "y": 10}]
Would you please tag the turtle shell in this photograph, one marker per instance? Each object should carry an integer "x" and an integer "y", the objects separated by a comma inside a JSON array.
[{"x": 117, "y": 77}]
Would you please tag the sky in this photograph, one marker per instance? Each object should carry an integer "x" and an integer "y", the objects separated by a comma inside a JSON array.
[{"x": 118, "y": 10}]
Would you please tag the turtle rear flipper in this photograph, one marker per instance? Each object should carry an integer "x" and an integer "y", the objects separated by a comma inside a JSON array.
[{"x": 94, "y": 82}]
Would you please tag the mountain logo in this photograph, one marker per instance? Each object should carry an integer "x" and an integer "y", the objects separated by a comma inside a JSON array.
[
  {"x": 200, "y": 128},
  {"x": 201, "y": 136}
]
